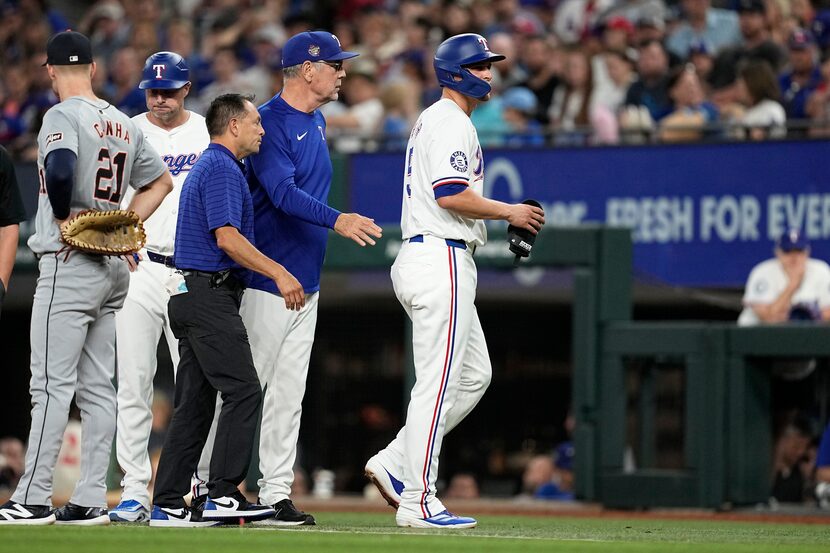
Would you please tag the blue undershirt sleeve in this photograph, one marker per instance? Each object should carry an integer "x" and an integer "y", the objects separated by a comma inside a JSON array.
[
  {"x": 60, "y": 179},
  {"x": 449, "y": 190}
]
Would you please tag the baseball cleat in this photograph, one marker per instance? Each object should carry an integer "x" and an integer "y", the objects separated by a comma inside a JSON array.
[
  {"x": 129, "y": 510},
  {"x": 81, "y": 516},
  {"x": 286, "y": 514},
  {"x": 388, "y": 486},
  {"x": 13, "y": 512},
  {"x": 233, "y": 508},
  {"x": 179, "y": 517},
  {"x": 444, "y": 520}
]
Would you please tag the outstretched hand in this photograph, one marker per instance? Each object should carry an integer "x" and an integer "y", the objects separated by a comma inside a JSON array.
[{"x": 358, "y": 228}]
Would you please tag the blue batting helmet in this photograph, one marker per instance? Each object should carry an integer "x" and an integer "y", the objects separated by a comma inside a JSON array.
[
  {"x": 454, "y": 55},
  {"x": 164, "y": 70}
]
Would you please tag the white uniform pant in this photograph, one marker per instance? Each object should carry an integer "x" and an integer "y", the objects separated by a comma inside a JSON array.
[
  {"x": 281, "y": 342},
  {"x": 436, "y": 284},
  {"x": 139, "y": 326}
]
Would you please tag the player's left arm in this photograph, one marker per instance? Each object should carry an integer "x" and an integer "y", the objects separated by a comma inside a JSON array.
[
  {"x": 468, "y": 203},
  {"x": 454, "y": 160},
  {"x": 150, "y": 177}
]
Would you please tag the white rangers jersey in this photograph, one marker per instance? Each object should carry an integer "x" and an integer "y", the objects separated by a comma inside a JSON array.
[
  {"x": 111, "y": 153},
  {"x": 179, "y": 150},
  {"x": 767, "y": 282},
  {"x": 443, "y": 150}
]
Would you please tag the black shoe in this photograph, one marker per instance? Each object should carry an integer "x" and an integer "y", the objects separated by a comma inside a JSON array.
[
  {"x": 81, "y": 516},
  {"x": 197, "y": 504},
  {"x": 234, "y": 507},
  {"x": 13, "y": 512},
  {"x": 288, "y": 515}
]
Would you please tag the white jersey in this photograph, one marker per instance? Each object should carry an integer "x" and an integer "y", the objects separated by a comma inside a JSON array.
[
  {"x": 443, "y": 149},
  {"x": 768, "y": 280},
  {"x": 179, "y": 150}
]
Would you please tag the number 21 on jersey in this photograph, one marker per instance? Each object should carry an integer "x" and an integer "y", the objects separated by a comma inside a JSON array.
[{"x": 108, "y": 182}]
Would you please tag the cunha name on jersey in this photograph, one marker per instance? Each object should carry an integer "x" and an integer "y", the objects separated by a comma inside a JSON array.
[
  {"x": 181, "y": 163},
  {"x": 108, "y": 128}
]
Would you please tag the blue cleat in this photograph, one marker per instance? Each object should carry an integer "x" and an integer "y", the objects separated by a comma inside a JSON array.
[
  {"x": 444, "y": 520},
  {"x": 181, "y": 517},
  {"x": 129, "y": 510}
]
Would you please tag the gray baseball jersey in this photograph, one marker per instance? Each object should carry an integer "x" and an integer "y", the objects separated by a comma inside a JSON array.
[{"x": 111, "y": 151}]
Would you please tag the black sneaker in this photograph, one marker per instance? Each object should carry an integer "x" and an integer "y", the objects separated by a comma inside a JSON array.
[
  {"x": 197, "y": 504},
  {"x": 13, "y": 512},
  {"x": 234, "y": 507},
  {"x": 81, "y": 516},
  {"x": 288, "y": 515}
]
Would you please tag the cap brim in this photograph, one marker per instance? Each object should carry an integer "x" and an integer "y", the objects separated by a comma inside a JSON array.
[
  {"x": 162, "y": 85},
  {"x": 342, "y": 56}
]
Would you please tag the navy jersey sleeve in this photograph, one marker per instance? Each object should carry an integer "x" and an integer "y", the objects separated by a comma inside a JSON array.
[
  {"x": 275, "y": 170},
  {"x": 223, "y": 198}
]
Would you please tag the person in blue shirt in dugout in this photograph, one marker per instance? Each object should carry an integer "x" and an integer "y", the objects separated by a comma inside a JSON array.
[
  {"x": 214, "y": 246},
  {"x": 289, "y": 180}
]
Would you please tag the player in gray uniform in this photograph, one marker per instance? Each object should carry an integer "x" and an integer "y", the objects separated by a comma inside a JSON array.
[{"x": 88, "y": 151}]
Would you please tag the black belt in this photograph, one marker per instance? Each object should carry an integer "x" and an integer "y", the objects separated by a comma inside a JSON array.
[
  {"x": 450, "y": 241},
  {"x": 166, "y": 260},
  {"x": 205, "y": 274},
  {"x": 217, "y": 278}
]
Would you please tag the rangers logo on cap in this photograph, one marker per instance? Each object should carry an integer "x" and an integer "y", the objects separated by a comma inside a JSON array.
[
  {"x": 458, "y": 160},
  {"x": 314, "y": 50}
]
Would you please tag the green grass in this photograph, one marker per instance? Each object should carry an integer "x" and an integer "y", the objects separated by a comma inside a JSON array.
[{"x": 350, "y": 532}]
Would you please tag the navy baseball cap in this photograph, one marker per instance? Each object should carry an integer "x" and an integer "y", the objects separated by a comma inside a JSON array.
[
  {"x": 800, "y": 39},
  {"x": 792, "y": 240},
  {"x": 68, "y": 48},
  {"x": 313, "y": 46}
]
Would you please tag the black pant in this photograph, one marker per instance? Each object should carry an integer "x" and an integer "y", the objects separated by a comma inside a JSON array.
[{"x": 215, "y": 356}]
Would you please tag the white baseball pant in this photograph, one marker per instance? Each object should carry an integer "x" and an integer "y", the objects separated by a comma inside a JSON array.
[{"x": 436, "y": 284}]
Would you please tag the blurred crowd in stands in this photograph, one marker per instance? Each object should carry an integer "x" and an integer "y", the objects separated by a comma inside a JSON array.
[{"x": 578, "y": 72}]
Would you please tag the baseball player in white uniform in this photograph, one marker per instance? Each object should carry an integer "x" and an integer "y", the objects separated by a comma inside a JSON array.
[
  {"x": 88, "y": 152},
  {"x": 179, "y": 136},
  {"x": 789, "y": 286},
  {"x": 434, "y": 277}
]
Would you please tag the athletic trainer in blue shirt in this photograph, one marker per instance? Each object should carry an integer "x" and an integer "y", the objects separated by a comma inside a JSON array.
[
  {"x": 213, "y": 236},
  {"x": 290, "y": 180}
]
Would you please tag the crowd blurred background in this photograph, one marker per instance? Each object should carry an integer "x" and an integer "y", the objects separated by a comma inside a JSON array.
[{"x": 578, "y": 72}]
